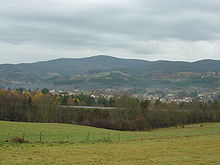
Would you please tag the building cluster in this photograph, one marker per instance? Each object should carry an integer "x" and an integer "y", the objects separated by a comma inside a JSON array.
[{"x": 149, "y": 94}]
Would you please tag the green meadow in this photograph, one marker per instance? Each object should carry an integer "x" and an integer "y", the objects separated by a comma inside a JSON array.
[
  {"x": 74, "y": 144},
  {"x": 76, "y": 133}
]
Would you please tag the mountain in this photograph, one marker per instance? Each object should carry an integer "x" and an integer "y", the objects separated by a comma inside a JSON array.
[
  {"x": 106, "y": 71},
  {"x": 73, "y": 66}
]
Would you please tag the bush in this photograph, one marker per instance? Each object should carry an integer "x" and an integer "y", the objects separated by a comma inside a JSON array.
[
  {"x": 86, "y": 122},
  {"x": 140, "y": 123},
  {"x": 124, "y": 125},
  {"x": 101, "y": 123},
  {"x": 17, "y": 140},
  {"x": 104, "y": 140}
]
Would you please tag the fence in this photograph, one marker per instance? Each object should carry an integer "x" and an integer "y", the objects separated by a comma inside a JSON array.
[
  {"x": 83, "y": 137},
  {"x": 46, "y": 137}
]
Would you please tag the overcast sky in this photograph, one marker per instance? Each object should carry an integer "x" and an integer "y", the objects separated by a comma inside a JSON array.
[{"x": 36, "y": 30}]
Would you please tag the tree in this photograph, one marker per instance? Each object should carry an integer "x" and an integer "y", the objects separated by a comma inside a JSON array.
[
  {"x": 102, "y": 101},
  {"x": 144, "y": 104},
  {"x": 45, "y": 91},
  {"x": 112, "y": 102},
  {"x": 157, "y": 102},
  {"x": 140, "y": 123},
  {"x": 130, "y": 106}
]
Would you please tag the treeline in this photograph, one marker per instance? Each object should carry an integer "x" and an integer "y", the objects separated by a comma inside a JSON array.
[
  {"x": 27, "y": 106},
  {"x": 85, "y": 100},
  {"x": 130, "y": 114}
]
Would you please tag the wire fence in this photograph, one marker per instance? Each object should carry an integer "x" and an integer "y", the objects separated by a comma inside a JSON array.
[{"x": 47, "y": 137}]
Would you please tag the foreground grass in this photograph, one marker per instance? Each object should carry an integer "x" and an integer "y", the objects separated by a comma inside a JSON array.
[
  {"x": 76, "y": 133},
  {"x": 197, "y": 150},
  {"x": 193, "y": 145}
]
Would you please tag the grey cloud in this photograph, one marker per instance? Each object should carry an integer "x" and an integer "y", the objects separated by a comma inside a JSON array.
[{"x": 103, "y": 25}]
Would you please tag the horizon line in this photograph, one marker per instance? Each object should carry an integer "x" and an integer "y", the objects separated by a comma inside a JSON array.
[{"x": 78, "y": 58}]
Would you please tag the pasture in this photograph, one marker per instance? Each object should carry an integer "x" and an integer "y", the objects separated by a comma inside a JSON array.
[{"x": 190, "y": 145}]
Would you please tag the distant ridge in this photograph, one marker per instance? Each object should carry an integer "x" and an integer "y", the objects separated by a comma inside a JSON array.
[{"x": 101, "y": 71}]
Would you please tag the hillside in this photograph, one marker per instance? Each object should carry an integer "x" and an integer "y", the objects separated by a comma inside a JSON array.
[
  {"x": 78, "y": 133},
  {"x": 105, "y": 71},
  {"x": 191, "y": 145}
]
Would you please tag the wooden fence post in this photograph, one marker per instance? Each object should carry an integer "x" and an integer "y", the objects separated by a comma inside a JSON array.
[
  {"x": 108, "y": 135},
  {"x": 40, "y": 136},
  {"x": 88, "y": 136}
]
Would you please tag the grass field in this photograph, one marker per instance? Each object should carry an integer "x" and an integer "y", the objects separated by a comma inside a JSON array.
[
  {"x": 190, "y": 145},
  {"x": 76, "y": 133}
]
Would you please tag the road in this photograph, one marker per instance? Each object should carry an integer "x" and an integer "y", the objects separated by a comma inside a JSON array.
[{"x": 87, "y": 107}]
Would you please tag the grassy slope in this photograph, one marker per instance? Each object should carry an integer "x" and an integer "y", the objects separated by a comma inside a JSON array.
[
  {"x": 169, "y": 149},
  {"x": 201, "y": 150},
  {"x": 54, "y": 131}
]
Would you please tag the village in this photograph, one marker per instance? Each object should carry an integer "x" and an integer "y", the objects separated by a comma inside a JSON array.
[{"x": 163, "y": 95}]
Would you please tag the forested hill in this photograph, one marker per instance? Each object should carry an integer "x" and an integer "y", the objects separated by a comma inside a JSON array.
[
  {"x": 107, "y": 71},
  {"x": 70, "y": 66}
]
